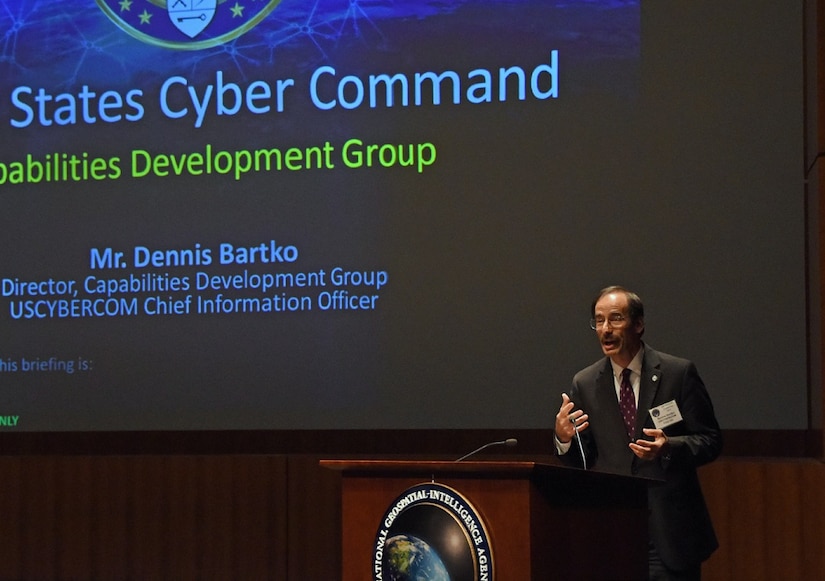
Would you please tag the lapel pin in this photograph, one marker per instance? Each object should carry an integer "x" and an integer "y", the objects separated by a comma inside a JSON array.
[{"x": 655, "y": 378}]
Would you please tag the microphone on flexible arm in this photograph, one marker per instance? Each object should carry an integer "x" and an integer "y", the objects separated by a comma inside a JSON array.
[
  {"x": 509, "y": 442},
  {"x": 579, "y": 441}
]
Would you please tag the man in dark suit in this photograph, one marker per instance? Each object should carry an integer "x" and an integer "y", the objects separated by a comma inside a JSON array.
[{"x": 654, "y": 420}]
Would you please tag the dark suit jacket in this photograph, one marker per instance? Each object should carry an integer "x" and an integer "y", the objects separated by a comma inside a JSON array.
[{"x": 679, "y": 524}]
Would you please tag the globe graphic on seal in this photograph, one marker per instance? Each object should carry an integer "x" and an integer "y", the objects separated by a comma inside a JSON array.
[{"x": 408, "y": 558}]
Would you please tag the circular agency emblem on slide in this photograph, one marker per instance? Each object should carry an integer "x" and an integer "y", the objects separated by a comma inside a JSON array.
[
  {"x": 186, "y": 24},
  {"x": 432, "y": 532}
]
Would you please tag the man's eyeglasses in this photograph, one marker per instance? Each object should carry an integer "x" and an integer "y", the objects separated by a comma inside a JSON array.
[{"x": 614, "y": 320}]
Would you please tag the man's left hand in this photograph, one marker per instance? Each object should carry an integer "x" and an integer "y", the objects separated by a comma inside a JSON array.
[{"x": 650, "y": 449}]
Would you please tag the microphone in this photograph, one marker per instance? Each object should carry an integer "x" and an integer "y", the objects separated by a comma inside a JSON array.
[
  {"x": 579, "y": 441},
  {"x": 509, "y": 442}
]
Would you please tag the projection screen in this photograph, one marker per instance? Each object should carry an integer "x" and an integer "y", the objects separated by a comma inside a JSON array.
[{"x": 364, "y": 214}]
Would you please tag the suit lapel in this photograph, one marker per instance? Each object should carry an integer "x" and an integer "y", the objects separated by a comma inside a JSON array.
[
  {"x": 648, "y": 386},
  {"x": 606, "y": 400}
]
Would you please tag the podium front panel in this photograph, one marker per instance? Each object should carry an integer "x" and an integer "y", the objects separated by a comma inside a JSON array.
[{"x": 542, "y": 522}]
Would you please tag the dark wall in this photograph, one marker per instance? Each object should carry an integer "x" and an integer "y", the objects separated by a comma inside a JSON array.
[{"x": 276, "y": 517}]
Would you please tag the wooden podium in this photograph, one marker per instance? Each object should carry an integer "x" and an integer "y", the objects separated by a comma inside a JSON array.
[{"x": 544, "y": 521}]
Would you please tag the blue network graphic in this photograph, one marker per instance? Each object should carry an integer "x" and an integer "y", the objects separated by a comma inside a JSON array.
[{"x": 67, "y": 42}]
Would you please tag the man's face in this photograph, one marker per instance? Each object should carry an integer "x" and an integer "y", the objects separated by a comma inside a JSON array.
[{"x": 619, "y": 340}]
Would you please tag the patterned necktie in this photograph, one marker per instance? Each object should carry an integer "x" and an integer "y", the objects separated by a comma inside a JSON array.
[{"x": 627, "y": 402}]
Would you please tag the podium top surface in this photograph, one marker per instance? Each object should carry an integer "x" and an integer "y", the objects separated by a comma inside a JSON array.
[
  {"x": 430, "y": 466},
  {"x": 475, "y": 469}
]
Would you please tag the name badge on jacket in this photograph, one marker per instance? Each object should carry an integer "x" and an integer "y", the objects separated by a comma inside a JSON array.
[{"x": 666, "y": 415}]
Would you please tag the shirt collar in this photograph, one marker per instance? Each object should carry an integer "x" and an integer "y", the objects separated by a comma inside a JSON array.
[{"x": 635, "y": 365}]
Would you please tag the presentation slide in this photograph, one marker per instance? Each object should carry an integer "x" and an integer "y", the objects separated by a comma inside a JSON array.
[{"x": 379, "y": 214}]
